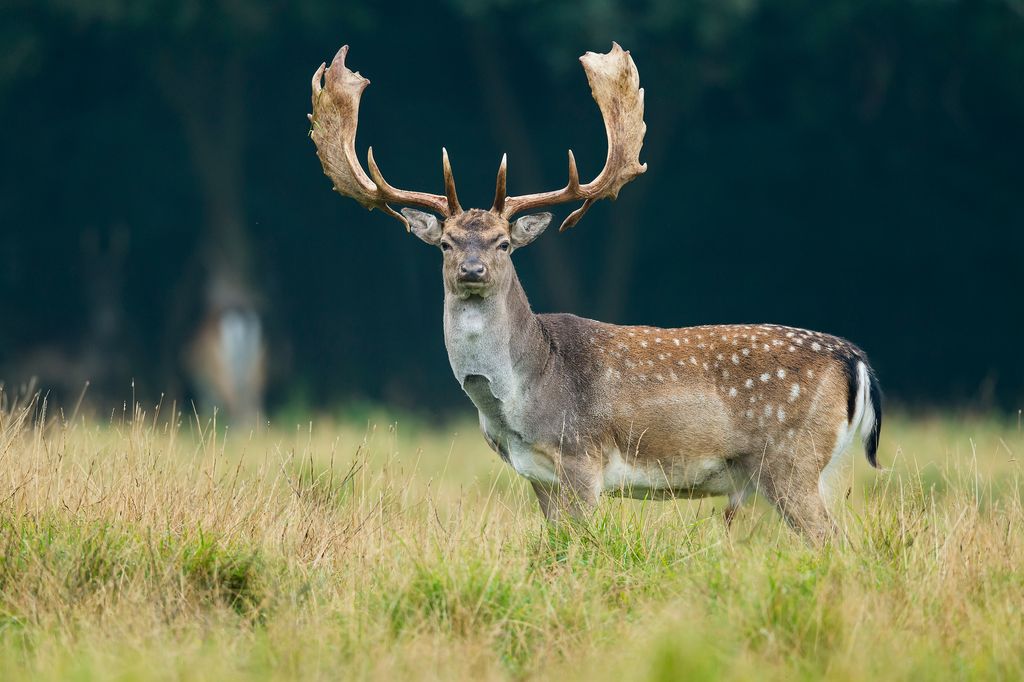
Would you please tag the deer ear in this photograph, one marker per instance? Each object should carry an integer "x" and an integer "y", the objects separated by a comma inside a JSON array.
[
  {"x": 529, "y": 227},
  {"x": 423, "y": 225}
]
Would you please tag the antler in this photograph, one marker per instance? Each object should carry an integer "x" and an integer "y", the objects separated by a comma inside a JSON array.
[
  {"x": 334, "y": 120},
  {"x": 615, "y": 84}
]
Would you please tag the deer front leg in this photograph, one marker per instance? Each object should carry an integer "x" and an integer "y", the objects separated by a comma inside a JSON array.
[
  {"x": 547, "y": 495},
  {"x": 736, "y": 500},
  {"x": 574, "y": 496}
]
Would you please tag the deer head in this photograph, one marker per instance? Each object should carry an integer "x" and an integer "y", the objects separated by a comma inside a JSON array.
[{"x": 476, "y": 244}]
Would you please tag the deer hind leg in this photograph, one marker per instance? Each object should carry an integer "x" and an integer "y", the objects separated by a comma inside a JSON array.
[{"x": 791, "y": 484}]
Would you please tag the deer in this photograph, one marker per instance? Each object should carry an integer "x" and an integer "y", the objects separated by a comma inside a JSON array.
[
  {"x": 226, "y": 357},
  {"x": 582, "y": 408}
]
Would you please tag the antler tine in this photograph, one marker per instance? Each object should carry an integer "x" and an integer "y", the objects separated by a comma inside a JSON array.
[
  {"x": 574, "y": 174},
  {"x": 615, "y": 85},
  {"x": 449, "y": 184},
  {"x": 336, "y": 94},
  {"x": 499, "y": 190}
]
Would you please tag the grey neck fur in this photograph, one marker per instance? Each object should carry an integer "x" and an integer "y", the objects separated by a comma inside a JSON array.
[{"x": 498, "y": 338}]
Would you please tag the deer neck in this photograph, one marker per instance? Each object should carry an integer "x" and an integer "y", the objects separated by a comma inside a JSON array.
[{"x": 497, "y": 338}]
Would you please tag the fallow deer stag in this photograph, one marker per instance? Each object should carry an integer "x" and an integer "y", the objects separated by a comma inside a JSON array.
[{"x": 582, "y": 408}]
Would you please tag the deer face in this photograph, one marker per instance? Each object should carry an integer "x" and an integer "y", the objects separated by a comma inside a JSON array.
[{"x": 476, "y": 246}]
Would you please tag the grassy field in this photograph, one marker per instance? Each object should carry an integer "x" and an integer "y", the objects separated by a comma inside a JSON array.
[{"x": 144, "y": 546}]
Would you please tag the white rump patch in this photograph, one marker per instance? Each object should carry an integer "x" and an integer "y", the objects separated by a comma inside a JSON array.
[{"x": 863, "y": 421}]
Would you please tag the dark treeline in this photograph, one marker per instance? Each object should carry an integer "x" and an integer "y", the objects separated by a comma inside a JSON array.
[{"x": 849, "y": 166}]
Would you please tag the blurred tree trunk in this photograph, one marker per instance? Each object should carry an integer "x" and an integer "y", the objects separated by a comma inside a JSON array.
[{"x": 209, "y": 98}]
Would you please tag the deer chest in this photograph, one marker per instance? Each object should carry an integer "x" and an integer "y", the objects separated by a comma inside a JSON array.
[{"x": 503, "y": 436}]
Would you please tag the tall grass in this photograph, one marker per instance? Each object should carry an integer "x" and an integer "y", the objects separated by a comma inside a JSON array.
[{"x": 149, "y": 546}]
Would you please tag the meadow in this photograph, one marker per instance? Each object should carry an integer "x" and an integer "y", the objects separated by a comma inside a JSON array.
[{"x": 149, "y": 544}]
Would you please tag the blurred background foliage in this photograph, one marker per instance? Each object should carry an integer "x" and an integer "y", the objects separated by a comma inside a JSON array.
[{"x": 852, "y": 166}]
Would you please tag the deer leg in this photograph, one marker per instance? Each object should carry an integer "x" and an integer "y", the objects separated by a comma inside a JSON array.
[
  {"x": 795, "y": 494},
  {"x": 736, "y": 500},
  {"x": 574, "y": 496},
  {"x": 547, "y": 497}
]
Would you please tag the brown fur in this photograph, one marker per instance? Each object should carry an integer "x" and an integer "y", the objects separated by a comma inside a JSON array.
[{"x": 771, "y": 400}]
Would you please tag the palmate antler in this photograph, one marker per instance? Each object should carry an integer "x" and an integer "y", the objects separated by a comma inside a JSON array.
[
  {"x": 334, "y": 120},
  {"x": 615, "y": 84}
]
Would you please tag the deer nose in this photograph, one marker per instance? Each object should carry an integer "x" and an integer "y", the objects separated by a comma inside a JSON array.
[{"x": 472, "y": 270}]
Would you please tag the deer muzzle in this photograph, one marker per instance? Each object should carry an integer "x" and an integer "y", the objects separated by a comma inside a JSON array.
[{"x": 473, "y": 271}]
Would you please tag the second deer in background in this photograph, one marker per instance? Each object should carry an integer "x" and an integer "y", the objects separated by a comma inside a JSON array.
[{"x": 227, "y": 357}]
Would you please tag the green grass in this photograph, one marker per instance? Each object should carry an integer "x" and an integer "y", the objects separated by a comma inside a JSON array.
[{"x": 155, "y": 548}]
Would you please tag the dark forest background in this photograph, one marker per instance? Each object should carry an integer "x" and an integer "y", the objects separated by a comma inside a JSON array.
[{"x": 852, "y": 166}]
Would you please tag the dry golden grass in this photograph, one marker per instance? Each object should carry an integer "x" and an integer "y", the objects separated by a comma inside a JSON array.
[{"x": 146, "y": 547}]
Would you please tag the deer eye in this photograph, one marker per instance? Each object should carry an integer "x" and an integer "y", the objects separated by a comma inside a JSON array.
[
  {"x": 445, "y": 246},
  {"x": 504, "y": 246}
]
